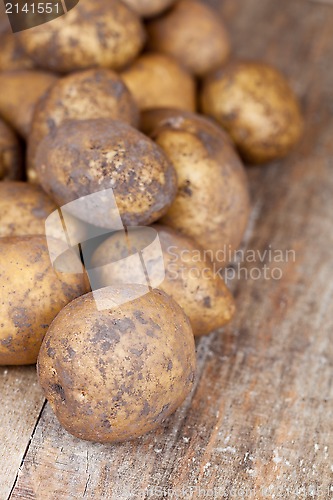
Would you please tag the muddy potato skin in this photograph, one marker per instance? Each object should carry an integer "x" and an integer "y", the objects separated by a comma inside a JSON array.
[
  {"x": 149, "y": 8},
  {"x": 87, "y": 156},
  {"x": 205, "y": 298},
  {"x": 12, "y": 56},
  {"x": 256, "y": 105},
  {"x": 212, "y": 204},
  {"x": 97, "y": 93},
  {"x": 157, "y": 80},
  {"x": 20, "y": 91},
  {"x": 23, "y": 209},
  {"x": 189, "y": 277},
  {"x": 115, "y": 374},
  {"x": 31, "y": 295},
  {"x": 10, "y": 154},
  {"x": 93, "y": 34},
  {"x": 193, "y": 33}
]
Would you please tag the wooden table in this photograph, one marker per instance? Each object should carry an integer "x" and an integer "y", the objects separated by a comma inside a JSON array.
[{"x": 259, "y": 421}]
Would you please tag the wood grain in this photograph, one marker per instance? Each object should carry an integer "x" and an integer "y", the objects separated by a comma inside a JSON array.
[
  {"x": 21, "y": 404},
  {"x": 259, "y": 421}
]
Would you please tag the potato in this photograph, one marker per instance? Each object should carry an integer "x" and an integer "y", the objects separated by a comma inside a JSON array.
[
  {"x": 20, "y": 91},
  {"x": 10, "y": 154},
  {"x": 12, "y": 56},
  {"x": 103, "y": 34},
  {"x": 189, "y": 279},
  {"x": 255, "y": 104},
  {"x": 149, "y": 8},
  {"x": 83, "y": 157},
  {"x": 192, "y": 33},
  {"x": 156, "y": 80},
  {"x": 97, "y": 93},
  {"x": 23, "y": 209},
  {"x": 115, "y": 374},
  {"x": 31, "y": 295},
  {"x": 151, "y": 118},
  {"x": 212, "y": 204}
]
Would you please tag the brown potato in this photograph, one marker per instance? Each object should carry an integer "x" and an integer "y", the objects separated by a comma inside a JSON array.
[
  {"x": 20, "y": 91},
  {"x": 192, "y": 33},
  {"x": 212, "y": 205},
  {"x": 157, "y": 80},
  {"x": 23, "y": 209},
  {"x": 84, "y": 157},
  {"x": 31, "y": 295},
  {"x": 10, "y": 154},
  {"x": 12, "y": 56},
  {"x": 130, "y": 367},
  {"x": 151, "y": 118},
  {"x": 97, "y": 93},
  {"x": 255, "y": 104},
  {"x": 103, "y": 34},
  {"x": 149, "y": 8},
  {"x": 189, "y": 279}
]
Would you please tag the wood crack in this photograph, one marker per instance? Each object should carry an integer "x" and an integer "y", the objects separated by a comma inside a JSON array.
[{"x": 27, "y": 448}]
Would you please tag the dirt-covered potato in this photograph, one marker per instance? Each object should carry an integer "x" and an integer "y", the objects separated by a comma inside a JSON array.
[
  {"x": 115, "y": 374},
  {"x": 20, "y": 91},
  {"x": 212, "y": 204},
  {"x": 10, "y": 154},
  {"x": 193, "y": 33},
  {"x": 149, "y": 8},
  {"x": 256, "y": 105},
  {"x": 12, "y": 56},
  {"x": 97, "y": 93},
  {"x": 23, "y": 209},
  {"x": 157, "y": 80},
  {"x": 190, "y": 279},
  {"x": 31, "y": 295},
  {"x": 83, "y": 157},
  {"x": 103, "y": 34}
]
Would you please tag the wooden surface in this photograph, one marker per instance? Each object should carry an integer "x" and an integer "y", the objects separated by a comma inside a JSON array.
[{"x": 259, "y": 421}]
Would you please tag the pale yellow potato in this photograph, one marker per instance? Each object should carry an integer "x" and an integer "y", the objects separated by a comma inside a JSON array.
[
  {"x": 20, "y": 91},
  {"x": 212, "y": 205},
  {"x": 149, "y": 8},
  {"x": 190, "y": 279},
  {"x": 31, "y": 294},
  {"x": 156, "y": 80},
  {"x": 193, "y": 33},
  {"x": 255, "y": 104},
  {"x": 96, "y": 93},
  {"x": 115, "y": 374},
  {"x": 93, "y": 34},
  {"x": 24, "y": 208}
]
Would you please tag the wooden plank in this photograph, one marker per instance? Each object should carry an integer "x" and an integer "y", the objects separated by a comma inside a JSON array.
[
  {"x": 259, "y": 421},
  {"x": 21, "y": 404}
]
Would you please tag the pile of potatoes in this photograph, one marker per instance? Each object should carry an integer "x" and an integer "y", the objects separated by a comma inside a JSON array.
[{"x": 144, "y": 97}]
